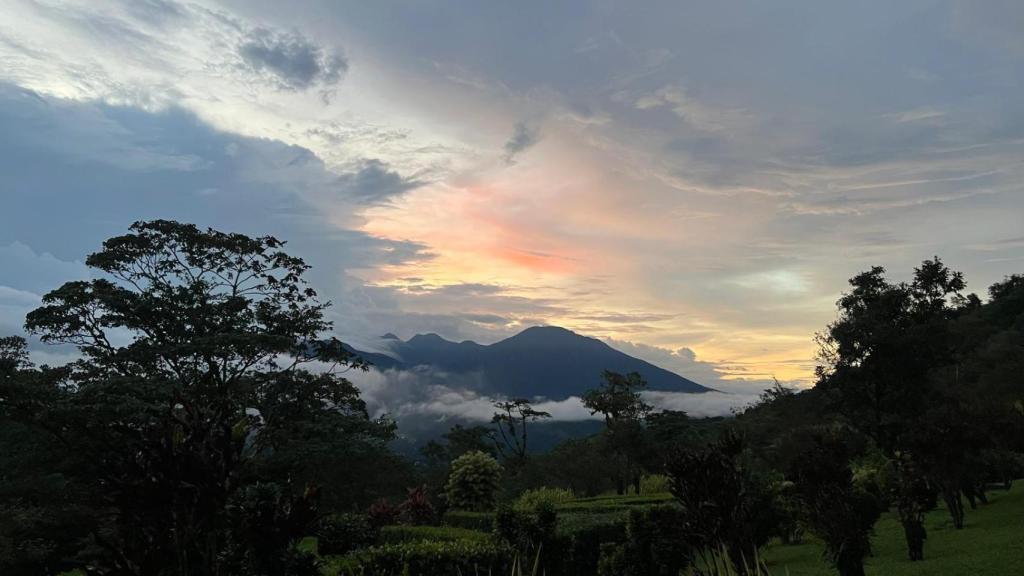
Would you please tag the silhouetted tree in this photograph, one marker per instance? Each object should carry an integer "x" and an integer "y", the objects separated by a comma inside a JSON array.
[
  {"x": 724, "y": 505},
  {"x": 618, "y": 399},
  {"x": 191, "y": 421},
  {"x": 833, "y": 508},
  {"x": 511, "y": 420}
]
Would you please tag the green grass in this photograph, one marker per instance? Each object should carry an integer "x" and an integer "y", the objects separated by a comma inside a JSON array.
[{"x": 990, "y": 544}]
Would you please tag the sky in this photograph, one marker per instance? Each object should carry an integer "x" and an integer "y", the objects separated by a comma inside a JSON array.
[{"x": 691, "y": 181}]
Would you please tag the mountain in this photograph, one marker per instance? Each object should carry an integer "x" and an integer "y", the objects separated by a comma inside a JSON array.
[{"x": 545, "y": 361}]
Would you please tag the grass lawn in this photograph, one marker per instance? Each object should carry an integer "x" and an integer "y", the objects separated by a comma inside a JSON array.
[{"x": 990, "y": 544}]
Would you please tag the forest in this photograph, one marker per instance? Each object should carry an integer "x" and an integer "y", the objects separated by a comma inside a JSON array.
[{"x": 206, "y": 427}]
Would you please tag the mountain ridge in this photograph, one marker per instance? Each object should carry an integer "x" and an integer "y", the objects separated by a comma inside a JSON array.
[{"x": 540, "y": 361}]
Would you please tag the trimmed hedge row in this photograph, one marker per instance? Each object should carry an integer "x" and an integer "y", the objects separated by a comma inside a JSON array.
[
  {"x": 400, "y": 534},
  {"x": 482, "y": 521},
  {"x": 427, "y": 558}
]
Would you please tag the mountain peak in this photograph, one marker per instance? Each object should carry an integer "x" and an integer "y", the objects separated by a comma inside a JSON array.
[
  {"x": 389, "y": 336},
  {"x": 428, "y": 338},
  {"x": 548, "y": 336}
]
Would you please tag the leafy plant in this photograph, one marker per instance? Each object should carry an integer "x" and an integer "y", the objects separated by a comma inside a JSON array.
[
  {"x": 343, "y": 533},
  {"x": 473, "y": 482},
  {"x": 530, "y": 499},
  {"x": 417, "y": 509}
]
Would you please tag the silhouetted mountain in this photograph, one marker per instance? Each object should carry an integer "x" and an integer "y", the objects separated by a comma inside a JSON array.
[{"x": 542, "y": 361}]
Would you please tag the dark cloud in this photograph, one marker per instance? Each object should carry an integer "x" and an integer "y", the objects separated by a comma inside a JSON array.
[
  {"x": 522, "y": 138},
  {"x": 75, "y": 173},
  {"x": 374, "y": 182},
  {"x": 290, "y": 60}
]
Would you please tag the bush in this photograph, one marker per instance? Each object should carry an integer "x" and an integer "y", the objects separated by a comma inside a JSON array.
[
  {"x": 400, "y": 534},
  {"x": 473, "y": 482},
  {"x": 529, "y": 532},
  {"x": 417, "y": 509},
  {"x": 428, "y": 558},
  {"x": 483, "y": 521},
  {"x": 381, "y": 513},
  {"x": 580, "y": 538},
  {"x": 342, "y": 533},
  {"x": 655, "y": 542},
  {"x": 530, "y": 499},
  {"x": 655, "y": 484}
]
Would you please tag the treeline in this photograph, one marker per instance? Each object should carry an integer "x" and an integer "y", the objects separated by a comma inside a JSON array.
[{"x": 205, "y": 426}]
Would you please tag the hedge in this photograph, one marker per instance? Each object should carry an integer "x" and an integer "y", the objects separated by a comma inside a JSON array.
[
  {"x": 427, "y": 558},
  {"x": 399, "y": 534}
]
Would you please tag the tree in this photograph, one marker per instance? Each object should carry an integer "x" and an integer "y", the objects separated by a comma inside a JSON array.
[
  {"x": 511, "y": 420},
  {"x": 473, "y": 482},
  {"x": 618, "y": 399},
  {"x": 44, "y": 516},
  {"x": 882, "y": 359},
  {"x": 190, "y": 415},
  {"x": 834, "y": 508},
  {"x": 724, "y": 505}
]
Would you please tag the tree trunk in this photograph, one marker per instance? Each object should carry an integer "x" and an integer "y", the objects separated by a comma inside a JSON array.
[
  {"x": 955, "y": 504},
  {"x": 915, "y": 533},
  {"x": 850, "y": 565}
]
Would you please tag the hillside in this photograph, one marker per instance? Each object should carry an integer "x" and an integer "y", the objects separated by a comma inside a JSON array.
[{"x": 542, "y": 361}]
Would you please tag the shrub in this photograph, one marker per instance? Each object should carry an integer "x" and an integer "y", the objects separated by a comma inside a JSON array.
[
  {"x": 343, "y": 533},
  {"x": 400, "y": 534},
  {"x": 725, "y": 506},
  {"x": 530, "y": 499},
  {"x": 427, "y": 558},
  {"x": 655, "y": 484},
  {"x": 656, "y": 542},
  {"x": 381, "y": 513},
  {"x": 473, "y": 482},
  {"x": 417, "y": 509},
  {"x": 580, "y": 538},
  {"x": 527, "y": 531},
  {"x": 483, "y": 521}
]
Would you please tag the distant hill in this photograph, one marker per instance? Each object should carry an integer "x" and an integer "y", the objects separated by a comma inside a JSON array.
[{"x": 545, "y": 361}]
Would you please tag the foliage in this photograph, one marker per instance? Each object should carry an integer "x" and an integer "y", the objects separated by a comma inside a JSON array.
[
  {"x": 429, "y": 558},
  {"x": 834, "y": 509},
  {"x": 990, "y": 545},
  {"x": 618, "y": 399},
  {"x": 655, "y": 484},
  {"x": 655, "y": 542},
  {"x": 399, "y": 534},
  {"x": 511, "y": 419},
  {"x": 382, "y": 513},
  {"x": 724, "y": 506},
  {"x": 531, "y": 499},
  {"x": 473, "y": 483},
  {"x": 469, "y": 520},
  {"x": 417, "y": 509},
  {"x": 198, "y": 419},
  {"x": 530, "y": 532},
  {"x": 343, "y": 533}
]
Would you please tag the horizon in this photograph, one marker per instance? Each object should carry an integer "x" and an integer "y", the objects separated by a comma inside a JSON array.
[{"x": 694, "y": 183}]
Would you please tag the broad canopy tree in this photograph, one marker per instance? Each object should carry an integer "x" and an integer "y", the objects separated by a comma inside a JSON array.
[
  {"x": 618, "y": 399},
  {"x": 192, "y": 412}
]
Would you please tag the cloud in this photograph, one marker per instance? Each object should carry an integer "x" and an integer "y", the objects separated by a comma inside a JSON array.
[
  {"x": 373, "y": 182},
  {"x": 523, "y": 137},
  {"x": 289, "y": 60},
  {"x": 709, "y": 404},
  {"x": 695, "y": 112}
]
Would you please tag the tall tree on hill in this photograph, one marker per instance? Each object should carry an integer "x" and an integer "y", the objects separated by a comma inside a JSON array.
[
  {"x": 191, "y": 418},
  {"x": 512, "y": 419},
  {"x": 618, "y": 399}
]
